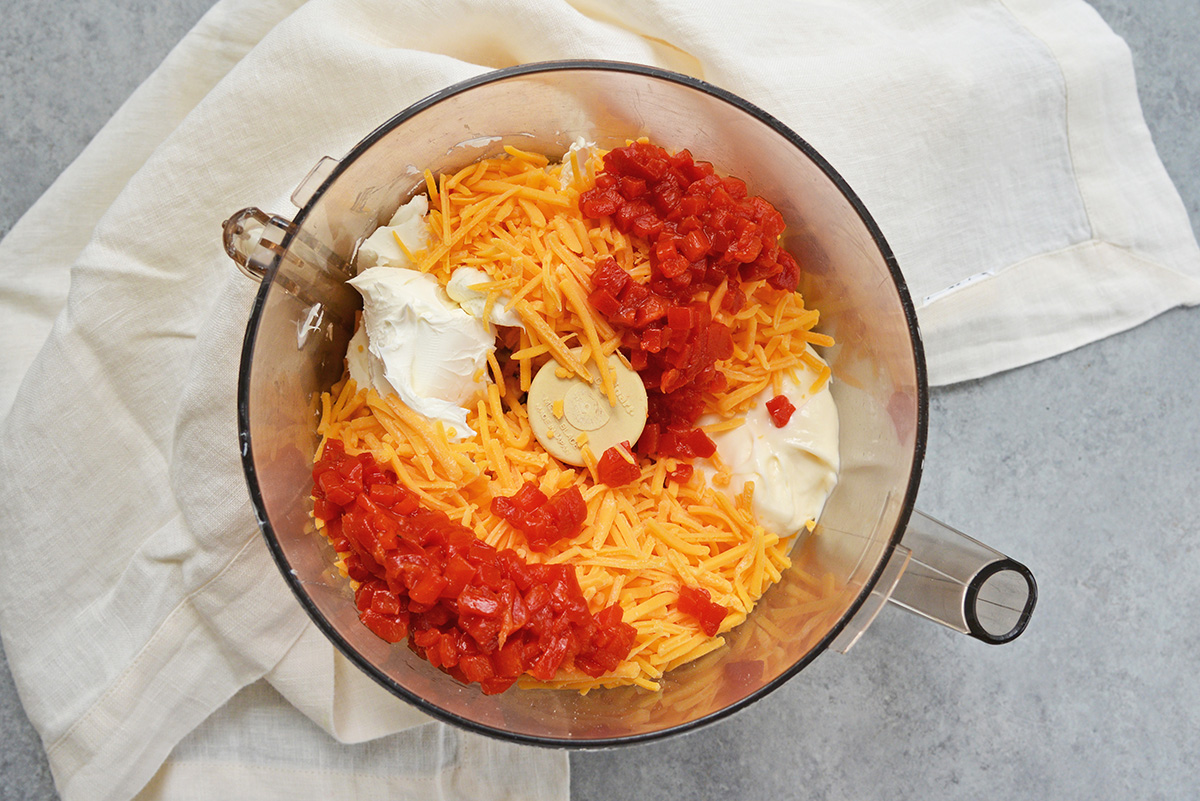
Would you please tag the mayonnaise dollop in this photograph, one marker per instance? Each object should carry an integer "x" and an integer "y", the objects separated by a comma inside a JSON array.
[
  {"x": 793, "y": 468},
  {"x": 380, "y": 249},
  {"x": 420, "y": 344}
]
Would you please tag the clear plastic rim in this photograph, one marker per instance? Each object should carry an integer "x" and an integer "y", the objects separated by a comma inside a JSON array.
[
  {"x": 971, "y": 602},
  {"x": 921, "y": 380}
]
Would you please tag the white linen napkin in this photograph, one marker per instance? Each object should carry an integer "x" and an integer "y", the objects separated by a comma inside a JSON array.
[{"x": 999, "y": 145}]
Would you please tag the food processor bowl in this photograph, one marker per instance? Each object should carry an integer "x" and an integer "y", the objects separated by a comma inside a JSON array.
[{"x": 869, "y": 545}]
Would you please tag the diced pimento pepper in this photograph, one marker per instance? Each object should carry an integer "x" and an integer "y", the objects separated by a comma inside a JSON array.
[
  {"x": 483, "y": 616},
  {"x": 780, "y": 410},
  {"x": 681, "y": 474},
  {"x": 542, "y": 520},
  {"x": 704, "y": 231},
  {"x": 325, "y": 510},
  {"x": 652, "y": 340},
  {"x": 696, "y": 602},
  {"x": 600, "y": 202},
  {"x": 529, "y": 497},
  {"x": 682, "y": 443},
  {"x": 610, "y": 277},
  {"x": 632, "y": 187},
  {"x": 617, "y": 466},
  {"x": 391, "y": 629},
  {"x": 605, "y": 302}
]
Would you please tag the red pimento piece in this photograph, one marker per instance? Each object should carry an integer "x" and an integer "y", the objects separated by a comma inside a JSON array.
[
  {"x": 600, "y": 202},
  {"x": 681, "y": 474},
  {"x": 696, "y": 602},
  {"x": 605, "y": 303},
  {"x": 618, "y": 466},
  {"x": 542, "y": 520},
  {"x": 780, "y": 409},
  {"x": 482, "y": 616},
  {"x": 567, "y": 511},
  {"x": 386, "y": 627},
  {"x": 325, "y": 510},
  {"x": 610, "y": 277},
  {"x": 676, "y": 441},
  {"x": 529, "y": 497}
]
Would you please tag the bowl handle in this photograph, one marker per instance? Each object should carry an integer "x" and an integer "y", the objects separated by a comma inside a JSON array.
[
  {"x": 253, "y": 239},
  {"x": 961, "y": 583},
  {"x": 945, "y": 576}
]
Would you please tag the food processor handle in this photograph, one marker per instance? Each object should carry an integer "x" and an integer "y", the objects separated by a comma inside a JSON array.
[
  {"x": 252, "y": 238},
  {"x": 963, "y": 584}
]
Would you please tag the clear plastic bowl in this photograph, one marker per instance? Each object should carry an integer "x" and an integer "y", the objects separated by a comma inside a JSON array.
[{"x": 303, "y": 317}]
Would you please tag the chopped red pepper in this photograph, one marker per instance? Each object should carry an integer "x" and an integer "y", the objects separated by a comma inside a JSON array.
[
  {"x": 392, "y": 628},
  {"x": 681, "y": 443},
  {"x": 696, "y": 602},
  {"x": 543, "y": 520},
  {"x": 681, "y": 474},
  {"x": 483, "y": 616},
  {"x": 780, "y": 409},
  {"x": 617, "y": 466},
  {"x": 704, "y": 231}
]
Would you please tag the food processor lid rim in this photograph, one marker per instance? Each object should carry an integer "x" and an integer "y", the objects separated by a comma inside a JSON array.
[{"x": 533, "y": 68}]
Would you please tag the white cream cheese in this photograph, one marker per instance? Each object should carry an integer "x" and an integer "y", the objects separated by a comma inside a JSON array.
[
  {"x": 474, "y": 302},
  {"x": 793, "y": 468},
  {"x": 582, "y": 150},
  {"x": 359, "y": 364},
  {"x": 381, "y": 249},
  {"x": 421, "y": 345}
]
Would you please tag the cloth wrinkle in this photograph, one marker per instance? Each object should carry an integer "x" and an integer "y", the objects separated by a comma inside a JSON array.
[{"x": 52, "y": 747}]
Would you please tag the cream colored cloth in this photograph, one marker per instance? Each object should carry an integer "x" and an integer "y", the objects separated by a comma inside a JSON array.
[{"x": 999, "y": 145}]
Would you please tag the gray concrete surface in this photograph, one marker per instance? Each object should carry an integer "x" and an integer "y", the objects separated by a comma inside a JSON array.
[{"x": 1084, "y": 465}]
